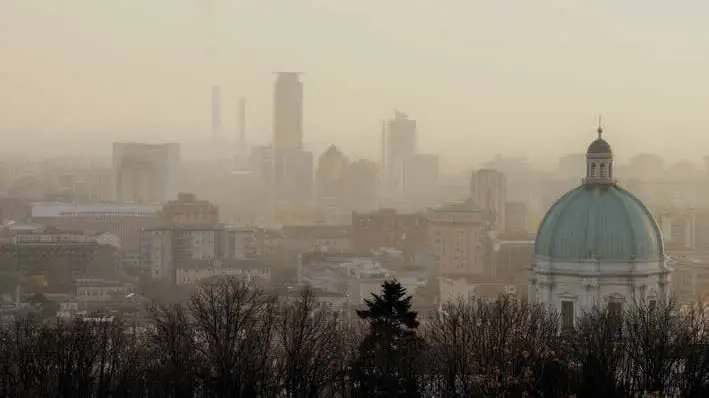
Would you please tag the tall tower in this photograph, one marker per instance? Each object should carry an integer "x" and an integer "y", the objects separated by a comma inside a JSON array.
[
  {"x": 293, "y": 167},
  {"x": 216, "y": 112},
  {"x": 288, "y": 112},
  {"x": 399, "y": 138}
]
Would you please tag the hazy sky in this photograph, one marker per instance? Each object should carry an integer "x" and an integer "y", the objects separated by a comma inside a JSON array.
[{"x": 480, "y": 76}]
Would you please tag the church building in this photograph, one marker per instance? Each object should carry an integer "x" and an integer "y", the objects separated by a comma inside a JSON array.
[{"x": 598, "y": 245}]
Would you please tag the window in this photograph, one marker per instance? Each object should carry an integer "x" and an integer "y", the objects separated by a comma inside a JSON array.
[
  {"x": 567, "y": 314},
  {"x": 602, "y": 169},
  {"x": 615, "y": 309},
  {"x": 652, "y": 305}
]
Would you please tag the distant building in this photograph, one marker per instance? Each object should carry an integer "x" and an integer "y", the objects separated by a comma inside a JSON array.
[
  {"x": 363, "y": 180},
  {"x": 123, "y": 220},
  {"x": 252, "y": 271},
  {"x": 288, "y": 113},
  {"x": 421, "y": 180},
  {"x": 319, "y": 238},
  {"x": 55, "y": 258},
  {"x": 331, "y": 183},
  {"x": 399, "y": 144},
  {"x": 100, "y": 290},
  {"x": 145, "y": 173},
  {"x": 458, "y": 237},
  {"x": 389, "y": 229},
  {"x": 488, "y": 189},
  {"x": 166, "y": 249},
  {"x": 296, "y": 184},
  {"x": 293, "y": 167},
  {"x": 188, "y": 210}
]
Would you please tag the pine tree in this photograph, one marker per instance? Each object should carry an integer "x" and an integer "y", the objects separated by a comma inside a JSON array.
[{"x": 388, "y": 356}]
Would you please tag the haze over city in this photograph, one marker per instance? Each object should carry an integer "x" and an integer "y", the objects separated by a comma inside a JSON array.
[
  {"x": 334, "y": 199},
  {"x": 480, "y": 77}
]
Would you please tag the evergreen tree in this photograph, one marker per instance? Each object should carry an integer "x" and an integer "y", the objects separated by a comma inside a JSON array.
[{"x": 388, "y": 356}]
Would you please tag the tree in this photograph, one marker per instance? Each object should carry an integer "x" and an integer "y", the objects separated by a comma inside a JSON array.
[
  {"x": 389, "y": 355},
  {"x": 310, "y": 347},
  {"x": 234, "y": 332},
  {"x": 498, "y": 348}
]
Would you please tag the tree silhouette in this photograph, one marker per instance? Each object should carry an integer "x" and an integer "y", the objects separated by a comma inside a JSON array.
[{"x": 388, "y": 356}]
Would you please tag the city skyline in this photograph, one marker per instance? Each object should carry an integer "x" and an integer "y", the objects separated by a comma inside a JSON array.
[{"x": 538, "y": 71}]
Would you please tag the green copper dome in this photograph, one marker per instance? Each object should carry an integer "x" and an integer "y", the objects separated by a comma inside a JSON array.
[{"x": 599, "y": 222}]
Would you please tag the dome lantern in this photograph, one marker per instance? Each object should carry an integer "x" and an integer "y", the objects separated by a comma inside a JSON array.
[{"x": 599, "y": 160}]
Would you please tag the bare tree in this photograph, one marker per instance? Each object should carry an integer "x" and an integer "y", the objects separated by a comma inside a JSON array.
[
  {"x": 234, "y": 336},
  {"x": 310, "y": 343},
  {"x": 171, "y": 348},
  {"x": 499, "y": 348}
]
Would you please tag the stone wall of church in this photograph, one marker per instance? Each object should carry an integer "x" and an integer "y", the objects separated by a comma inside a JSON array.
[{"x": 586, "y": 284}]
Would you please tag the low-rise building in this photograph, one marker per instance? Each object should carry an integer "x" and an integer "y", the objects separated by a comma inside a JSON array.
[
  {"x": 252, "y": 271},
  {"x": 93, "y": 290},
  {"x": 308, "y": 238}
]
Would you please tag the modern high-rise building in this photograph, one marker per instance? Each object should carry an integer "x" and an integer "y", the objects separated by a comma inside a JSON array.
[
  {"x": 293, "y": 167},
  {"x": 288, "y": 112},
  {"x": 146, "y": 173},
  {"x": 399, "y": 141}
]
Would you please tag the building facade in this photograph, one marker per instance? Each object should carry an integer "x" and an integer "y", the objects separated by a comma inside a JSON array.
[
  {"x": 188, "y": 210},
  {"x": 389, "y": 229},
  {"x": 399, "y": 144},
  {"x": 123, "y": 220},
  {"x": 458, "y": 237}
]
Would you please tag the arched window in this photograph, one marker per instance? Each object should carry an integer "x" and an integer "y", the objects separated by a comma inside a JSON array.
[
  {"x": 602, "y": 170},
  {"x": 593, "y": 170}
]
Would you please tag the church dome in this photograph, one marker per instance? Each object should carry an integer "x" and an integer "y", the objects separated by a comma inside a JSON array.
[{"x": 599, "y": 222}]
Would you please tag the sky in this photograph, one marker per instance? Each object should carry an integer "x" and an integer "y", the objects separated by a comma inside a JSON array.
[{"x": 481, "y": 77}]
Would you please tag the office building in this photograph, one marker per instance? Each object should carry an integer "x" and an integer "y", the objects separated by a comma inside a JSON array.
[
  {"x": 399, "y": 144},
  {"x": 288, "y": 113}
]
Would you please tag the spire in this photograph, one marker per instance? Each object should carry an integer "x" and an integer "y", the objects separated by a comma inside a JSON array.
[{"x": 600, "y": 127}]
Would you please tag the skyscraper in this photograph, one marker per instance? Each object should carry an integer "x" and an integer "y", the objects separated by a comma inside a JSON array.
[
  {"x": 288, "y": 112},
  {"x": 293, "y": 166},
  {"x": 399, "y": 145}
]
